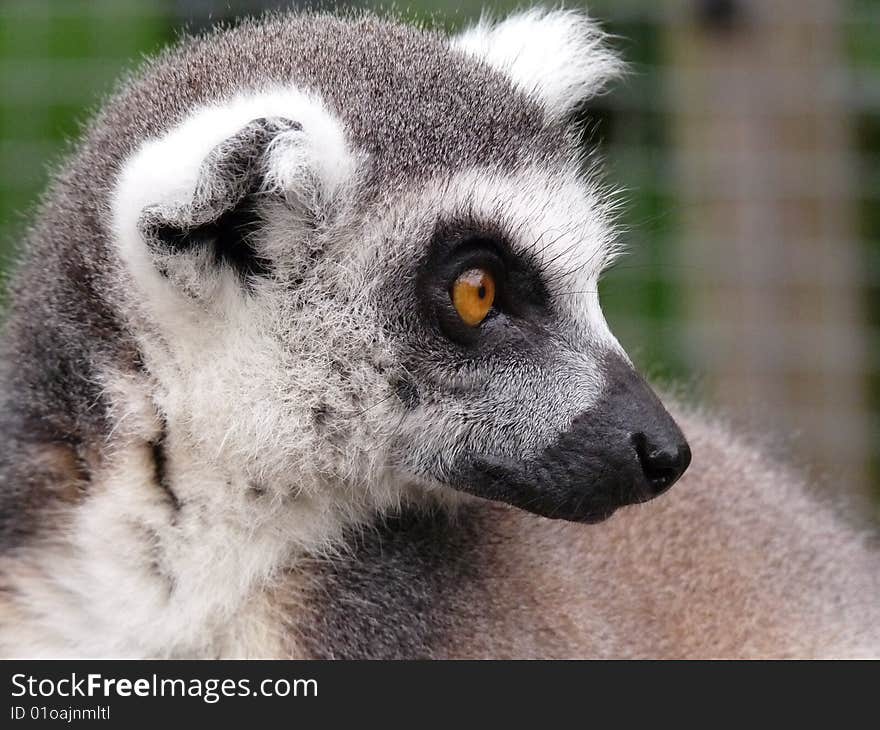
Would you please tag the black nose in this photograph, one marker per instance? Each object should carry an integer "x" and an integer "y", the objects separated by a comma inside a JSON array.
[{"x": 662, "y": 463}]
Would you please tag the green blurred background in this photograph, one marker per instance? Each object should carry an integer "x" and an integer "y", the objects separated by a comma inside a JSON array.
[{"x": 747, "y": 139}]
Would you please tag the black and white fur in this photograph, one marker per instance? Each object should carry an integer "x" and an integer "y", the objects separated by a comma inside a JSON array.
[{"x": 240, "y": 418}]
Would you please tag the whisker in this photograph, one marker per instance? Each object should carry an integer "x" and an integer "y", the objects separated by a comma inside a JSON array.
[{"x": 369, "y": 408}]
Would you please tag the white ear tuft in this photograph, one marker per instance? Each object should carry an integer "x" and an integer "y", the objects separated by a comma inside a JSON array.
[
  {"x": 559, "y": 57},
  {"x": 176, "y": 197}
]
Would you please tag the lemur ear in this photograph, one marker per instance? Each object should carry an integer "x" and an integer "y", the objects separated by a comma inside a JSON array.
[
  {"x": 191, "y": 205},
  {"x": 223, "y": 209},
  {"x": 559, "y": 57}
]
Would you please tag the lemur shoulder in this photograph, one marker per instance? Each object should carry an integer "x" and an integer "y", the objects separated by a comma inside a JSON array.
[{"x": 304, "y": 358}]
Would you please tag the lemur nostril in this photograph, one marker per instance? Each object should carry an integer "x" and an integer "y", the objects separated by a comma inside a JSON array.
[{"x": 661, "y": 465}]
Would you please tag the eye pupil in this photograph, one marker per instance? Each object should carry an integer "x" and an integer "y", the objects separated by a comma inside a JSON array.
[{"x": 481, "y": 292}]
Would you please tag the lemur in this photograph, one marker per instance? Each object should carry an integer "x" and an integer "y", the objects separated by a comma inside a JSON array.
[{"x": 304, "y": 358}]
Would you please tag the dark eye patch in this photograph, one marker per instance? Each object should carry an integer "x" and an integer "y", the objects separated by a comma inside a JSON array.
[{"x": 521, "y": 297}]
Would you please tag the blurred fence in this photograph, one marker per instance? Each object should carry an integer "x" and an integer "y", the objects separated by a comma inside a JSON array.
[
  {"x": 747, "y": 138},
  {"x": 754, "y": 125}
]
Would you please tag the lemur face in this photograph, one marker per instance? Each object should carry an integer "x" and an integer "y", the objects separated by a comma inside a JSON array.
[
  {"x": 514, "y": 388},
  {"x": 315, "y": 303}
]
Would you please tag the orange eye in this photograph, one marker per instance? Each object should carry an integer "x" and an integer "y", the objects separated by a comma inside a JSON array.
[{"x": 473, "y": 294}]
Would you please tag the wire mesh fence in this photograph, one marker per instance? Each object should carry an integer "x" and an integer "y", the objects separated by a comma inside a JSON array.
[{"x": 747, "y": 139}]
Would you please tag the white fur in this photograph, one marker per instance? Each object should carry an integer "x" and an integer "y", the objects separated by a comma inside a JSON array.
[
  {"x": 141, "y": 579},
  {"x": 558, "y": 57},
  {"x": 556, "y": 218},
  {"x": 311, "y": 166},
  {"x": 223, "y": 359}
]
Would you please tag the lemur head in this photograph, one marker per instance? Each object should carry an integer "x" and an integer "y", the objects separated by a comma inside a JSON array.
[{"x": 357, "y": 255}]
